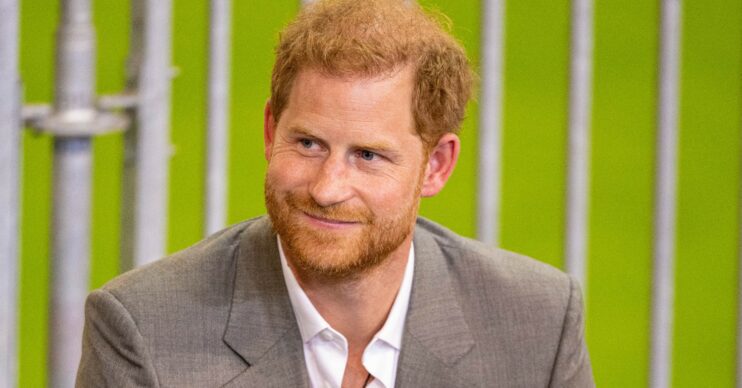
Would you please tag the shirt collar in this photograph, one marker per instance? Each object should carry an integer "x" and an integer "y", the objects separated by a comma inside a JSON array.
[
  {"x": 393, "y": 328},
  {"x": 308, "y": 318},
  {"x": 311, "y": 322}
]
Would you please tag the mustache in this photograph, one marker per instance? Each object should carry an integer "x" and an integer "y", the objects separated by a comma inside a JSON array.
[{"x": 338, "y": 213}]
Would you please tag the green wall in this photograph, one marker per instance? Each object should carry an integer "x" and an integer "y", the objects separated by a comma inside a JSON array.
[
  {"x": 622, "y": 191},
  {"x": 534, "y": 158}
]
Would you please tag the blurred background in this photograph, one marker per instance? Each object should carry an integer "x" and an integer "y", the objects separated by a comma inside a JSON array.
[{"x": 534, "y": 162}]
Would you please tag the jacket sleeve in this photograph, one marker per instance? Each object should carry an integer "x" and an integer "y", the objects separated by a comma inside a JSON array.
[
  {"x": 113, "y": 350},
  {"x": 572, "y": 365}
]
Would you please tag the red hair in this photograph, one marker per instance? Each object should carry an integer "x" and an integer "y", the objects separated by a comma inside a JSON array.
[{"x": 375, "y": 37}]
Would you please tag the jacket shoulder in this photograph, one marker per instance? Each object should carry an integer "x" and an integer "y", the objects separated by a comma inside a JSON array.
[
  {"x": 493, "y": 283},
  {"x": 492, "y": 265},
  {"x": 203, "y": 268},
  {"x": 140, "y": 324},
  {"x": 525, "y": 316}
]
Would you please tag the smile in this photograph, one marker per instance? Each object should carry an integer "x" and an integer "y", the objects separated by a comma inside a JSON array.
[{"x": 328, "y": 222}]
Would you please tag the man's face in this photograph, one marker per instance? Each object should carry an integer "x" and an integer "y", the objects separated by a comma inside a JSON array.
[{"x": 345, "y": 171}]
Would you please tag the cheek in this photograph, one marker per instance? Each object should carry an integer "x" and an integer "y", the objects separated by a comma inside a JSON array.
[
  {"x": 285, "y": 172},
  {"x": 391, "y": 198}
]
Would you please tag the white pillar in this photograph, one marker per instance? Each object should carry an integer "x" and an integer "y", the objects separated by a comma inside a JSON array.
[
  {"x": 217, "y": 140},
  {"x": 72, "y": 122},
  {"x": 739, "y": 301},
  {"x": 490, "y": 123},
  {"x": 71, "y": 247},
  {"x": 580, "y": 114},
  {"x": 147, "y": 154},
  {"x": 663, "y": 285},
  {"x": 10, "y": 154}
]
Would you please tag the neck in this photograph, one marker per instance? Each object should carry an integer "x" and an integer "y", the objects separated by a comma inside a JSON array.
[{"x": 358, "y": 306}]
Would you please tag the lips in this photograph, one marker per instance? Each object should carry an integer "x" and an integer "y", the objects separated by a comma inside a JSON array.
[{"x": 333, "y": 221}]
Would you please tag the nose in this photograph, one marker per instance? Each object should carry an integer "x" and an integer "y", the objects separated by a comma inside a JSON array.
[{"x": 331, "y": 184}]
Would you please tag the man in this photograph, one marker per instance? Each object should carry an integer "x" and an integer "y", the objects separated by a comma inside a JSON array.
[{"x": 342, "y": 284}]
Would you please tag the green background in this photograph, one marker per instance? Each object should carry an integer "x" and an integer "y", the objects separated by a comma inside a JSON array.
[{"x": 534, "y": 162}]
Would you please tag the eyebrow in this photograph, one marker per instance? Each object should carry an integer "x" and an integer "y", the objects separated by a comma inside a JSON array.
[{"x": 297, "y": 130}]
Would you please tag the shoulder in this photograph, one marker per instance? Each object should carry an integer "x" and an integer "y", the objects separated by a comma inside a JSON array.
[
  {"x": 465, "y": 252},
  {"x": 487, "y": 273},
  {"x": 525, "y": 317},
  {"x": 139, "y": 325},
  {"x": 204, "y": 268}
]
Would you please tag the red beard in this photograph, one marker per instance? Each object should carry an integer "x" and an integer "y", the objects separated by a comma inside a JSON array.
[{"x": 335, "y": 254}]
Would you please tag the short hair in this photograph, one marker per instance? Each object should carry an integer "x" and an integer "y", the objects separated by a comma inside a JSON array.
[{"x": 376, "y": 37}]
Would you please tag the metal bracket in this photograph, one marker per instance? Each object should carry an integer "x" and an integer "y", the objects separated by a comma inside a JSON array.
[{"x": 81, "y": 122}]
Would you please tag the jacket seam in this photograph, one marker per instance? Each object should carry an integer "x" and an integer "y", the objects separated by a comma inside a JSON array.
[{"x": 148, "y": 356}]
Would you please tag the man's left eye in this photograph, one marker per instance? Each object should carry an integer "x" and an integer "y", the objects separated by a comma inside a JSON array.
[
  {"x": 307, "y": 143},
  {"x": 366, "y": 155}
]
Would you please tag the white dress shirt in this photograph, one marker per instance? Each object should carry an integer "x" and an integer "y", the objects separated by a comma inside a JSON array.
[{"x": 326, "y": 350}]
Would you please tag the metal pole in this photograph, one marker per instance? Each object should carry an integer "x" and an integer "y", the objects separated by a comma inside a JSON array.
[
  {"x": 490, "y": 123},
  {"x": 218, "y": 115},
  {"x": 580, "y": 104},
  {"x": 71, "y": 238},
  {"x": 147, "y": 151},
  {"x": 665, "y": 197},
  {"x": 74, "y": 105},
  {"x": 738, "y": 375},
  {"x": 10, "y": 148}
]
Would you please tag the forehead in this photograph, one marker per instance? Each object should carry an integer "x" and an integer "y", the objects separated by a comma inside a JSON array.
[{"x": 373, "y": 103}]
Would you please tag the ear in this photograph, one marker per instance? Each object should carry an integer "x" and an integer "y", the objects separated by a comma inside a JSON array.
[
  {"x": 269, "y": 129},
  {"x": 441, "y": 162}
]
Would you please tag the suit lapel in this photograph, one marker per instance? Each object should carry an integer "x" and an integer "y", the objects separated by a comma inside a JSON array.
[
  {"x": 261, "y": 327},
  {"x": 436, "y": 333}
]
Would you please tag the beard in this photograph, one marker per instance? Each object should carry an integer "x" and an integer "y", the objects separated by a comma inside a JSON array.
[{"x": 336, "y": 254}]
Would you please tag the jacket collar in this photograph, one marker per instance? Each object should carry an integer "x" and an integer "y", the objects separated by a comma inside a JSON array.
[
  {"x": 261, "y": 327},
  {"x": 437, "y": 335}
]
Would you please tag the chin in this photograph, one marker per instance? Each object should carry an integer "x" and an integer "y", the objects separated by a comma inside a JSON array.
[{"x": 337, "y": 259}]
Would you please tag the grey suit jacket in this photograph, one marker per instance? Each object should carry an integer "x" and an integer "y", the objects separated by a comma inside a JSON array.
[{"x": 218, "y": 314}]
